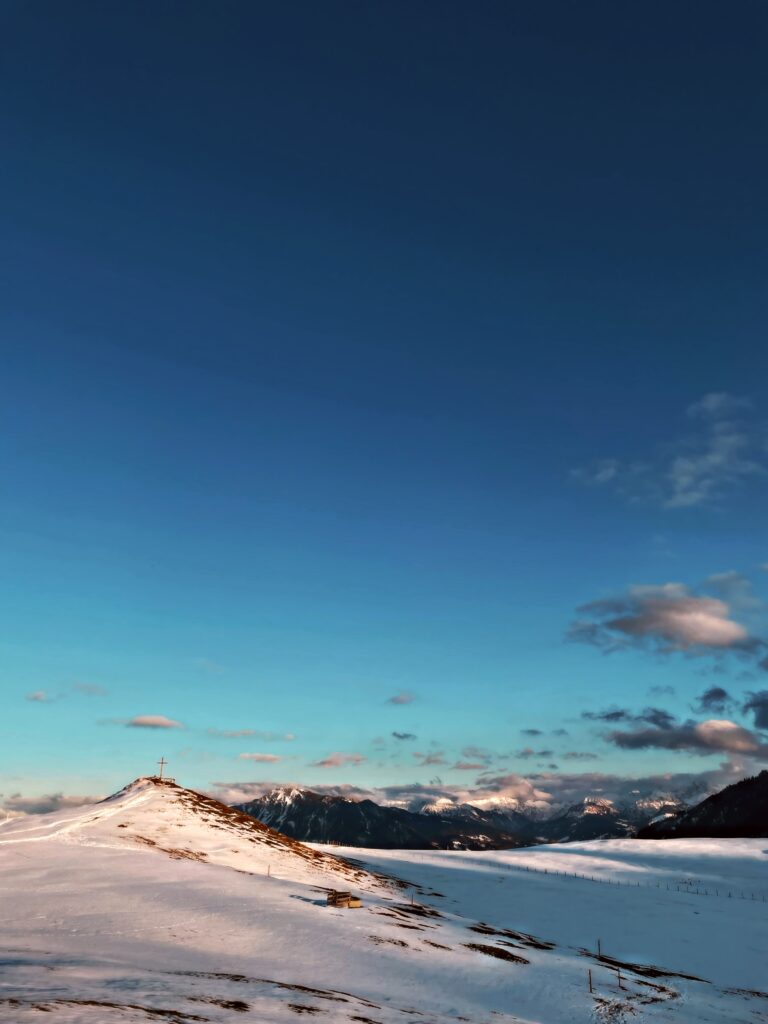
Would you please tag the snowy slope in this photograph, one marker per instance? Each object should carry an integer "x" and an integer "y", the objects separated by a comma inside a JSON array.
[
  {"x": 157, "y": 905},
  {"x": 620, "y": 896},
  {"x": 180, "y": 824}
]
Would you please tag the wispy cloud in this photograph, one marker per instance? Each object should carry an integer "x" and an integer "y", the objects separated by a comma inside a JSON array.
[
  {"x": 435, "y": 757},
  {"x": 86, "y": 689},
  {"x": 718, "y": 405},
  {"x": 651, "y": 716},
  {"x": 404, "y": 735},
  {"x": 723, "y": 446},
  {"x": 661, "y": 690},
  {"x": 474, "y": 753},
  {"x": 401, "y": 698},
  {"x": 257, "y": 734},
  {"x": 601, "y": 471},
  {"x": 91, "y": 689},
  {"x": 209, "y": 665},
  {"x": 260, "y": 758},
  {"x": 609, "y": 715},
  {"x": 339, "y": 760},
  {"x": 42, "y": 697},
  {"x": 528, "y": 752}
]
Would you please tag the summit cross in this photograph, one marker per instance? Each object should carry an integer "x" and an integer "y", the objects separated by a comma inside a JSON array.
[{"x": 162, "y": 762}]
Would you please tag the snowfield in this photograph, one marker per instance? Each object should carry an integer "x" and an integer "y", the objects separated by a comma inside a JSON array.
[{"x": 161, "y": 905}]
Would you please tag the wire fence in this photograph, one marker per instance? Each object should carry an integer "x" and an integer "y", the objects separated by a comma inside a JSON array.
[{"x": 687, "y": 886}]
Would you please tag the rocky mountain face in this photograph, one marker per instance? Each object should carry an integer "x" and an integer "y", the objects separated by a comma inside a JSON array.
[
  {"x": 596, "y": 818},
  {"x": 312, "y": 817},
  {"x": 738, "y": 811}
]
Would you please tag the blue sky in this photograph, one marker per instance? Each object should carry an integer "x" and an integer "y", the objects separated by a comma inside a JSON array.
[{"x": 349, "y": 350}]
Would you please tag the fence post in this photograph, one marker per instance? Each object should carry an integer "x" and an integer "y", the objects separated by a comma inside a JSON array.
[{"x": 590, "y": 980}]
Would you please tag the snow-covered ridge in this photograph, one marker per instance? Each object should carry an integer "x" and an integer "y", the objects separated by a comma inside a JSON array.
[
  {"x": 160, "y": 904},
  {"x": 158, "y": 815}
]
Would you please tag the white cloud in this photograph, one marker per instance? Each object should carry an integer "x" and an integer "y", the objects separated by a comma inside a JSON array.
[
  {"x": 261, "y": 758},
  {"x": 722, "y": 734},
  {"x": 666, "y": 617},
  {"x": 16, "y": 804},
  {"x": 712, "y": 736},
  {"x": 153, "y": 722}
]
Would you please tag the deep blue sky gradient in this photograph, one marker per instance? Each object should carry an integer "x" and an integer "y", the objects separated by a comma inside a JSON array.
[{"x": 308, "y": 313}]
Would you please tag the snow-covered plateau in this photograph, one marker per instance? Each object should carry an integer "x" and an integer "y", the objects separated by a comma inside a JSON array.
[{"x": 159, "y": 904}]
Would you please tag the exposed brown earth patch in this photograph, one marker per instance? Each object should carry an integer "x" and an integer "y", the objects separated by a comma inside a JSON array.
[
  {"x": 151, "y": 1012},
  {"x": 496, "y": 951},
  {"x": 748, "y": 993},
  {"x": 319, "y": 993},
  {"x": 644, "y": 970},
  {"x": 175, "y": 853},
  {"x": 521, "y": 937},
  {"x": 225, "y": 1004}
]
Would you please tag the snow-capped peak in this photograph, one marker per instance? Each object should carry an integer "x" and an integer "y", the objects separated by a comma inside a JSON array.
[
  {"x": 443, "y": 805},
  {"x": 597, "y": 805}
]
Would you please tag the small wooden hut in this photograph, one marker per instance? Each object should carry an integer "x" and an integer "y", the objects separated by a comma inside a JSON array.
[{"x": 343, "y": 900}]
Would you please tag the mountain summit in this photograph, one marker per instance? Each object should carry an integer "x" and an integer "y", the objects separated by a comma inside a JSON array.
[{"x": 160, "y": 816}]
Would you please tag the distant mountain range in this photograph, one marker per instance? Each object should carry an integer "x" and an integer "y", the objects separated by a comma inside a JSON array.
[
  {"x": 738, "y": 811},
  {"x": 313, "y": 817},
  {"x": 596, "y": 818}
]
